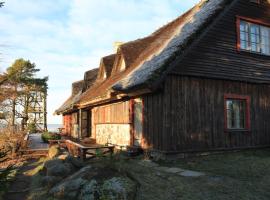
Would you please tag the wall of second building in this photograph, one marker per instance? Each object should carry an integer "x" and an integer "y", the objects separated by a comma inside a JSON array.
[
  {"x": 112, "y": 124},
  {"x": 189, "y": 115},
  {"x": 67, "y": 124},
  {"x": 70, "y": 122}
]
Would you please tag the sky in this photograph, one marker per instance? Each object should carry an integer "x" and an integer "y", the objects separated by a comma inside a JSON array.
[{"x": 65, "y": 38}]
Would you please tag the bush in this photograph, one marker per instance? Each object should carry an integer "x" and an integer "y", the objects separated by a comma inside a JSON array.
[
  {"x": 46, "y": 136},
  {"x": 32, "y": 128},
  {"x": 5, "y": 174}
]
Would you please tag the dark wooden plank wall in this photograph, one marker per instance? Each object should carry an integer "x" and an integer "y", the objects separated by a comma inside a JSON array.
[
  {"x": 216, "y": 55},
  {"x": 189, "y": 115}
]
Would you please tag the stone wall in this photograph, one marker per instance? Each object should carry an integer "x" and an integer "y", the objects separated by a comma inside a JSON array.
[{"x": 118, "y": 134}]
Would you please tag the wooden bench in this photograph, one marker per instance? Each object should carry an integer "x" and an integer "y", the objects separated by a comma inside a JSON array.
[
  {"x": 61, "y": 143},
  {"x": 83, "y": 151}
]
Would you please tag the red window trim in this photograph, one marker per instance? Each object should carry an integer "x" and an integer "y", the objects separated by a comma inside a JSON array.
[
  {"x": 251, "y": 20},
  {"x": 237, "y": 97}
]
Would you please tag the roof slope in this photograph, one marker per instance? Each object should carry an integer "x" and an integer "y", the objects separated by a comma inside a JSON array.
[
  {"x": 170, "y": 42},
  {"x": 148, "y": 57},
  {"x": 108, "y": 62},
  {"x": 77, "y": 90},
  {"x": 89, "y": 78}
]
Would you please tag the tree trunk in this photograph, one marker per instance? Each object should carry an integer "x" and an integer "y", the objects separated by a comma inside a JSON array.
[{"x": 13, "y": 117}]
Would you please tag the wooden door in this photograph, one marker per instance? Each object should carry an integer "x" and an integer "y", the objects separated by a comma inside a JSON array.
[{"x": 138, "y": 121}]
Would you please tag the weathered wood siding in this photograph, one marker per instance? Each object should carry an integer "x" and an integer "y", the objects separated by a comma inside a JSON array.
[
  {"x": 117, "y": 113},
  {"x": 85, "y": 124},
  {"x": 75, "y": 124},
  {"x": 67, "y": 124},
  {"x": 111, "y": 123},
  {"x": 189, "y": 115},
  {"x": 216, "y": 55}
]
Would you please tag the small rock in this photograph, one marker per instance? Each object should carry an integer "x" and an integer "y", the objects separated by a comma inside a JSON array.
[
  {"x": 174, "y": 170},
  {"x": 62, "y": 157},
  {"x": 54, "y": 151},
  {"x": 188, "y": 173}
]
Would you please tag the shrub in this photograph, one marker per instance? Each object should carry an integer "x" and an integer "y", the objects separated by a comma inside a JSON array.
[
  {"x": 5, "y": 174},
  {"x": 32, "y": 128},
  {"x": 46, "y": 136}
]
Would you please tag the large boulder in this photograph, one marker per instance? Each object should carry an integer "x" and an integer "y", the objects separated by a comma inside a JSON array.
[
  {"x": 50, "y": 181},
  {"x": 90, "y": 191},
  {"x": 60, "y": 170},
  {"x": 53, "y": 162},
  {"x": 68, "y": 189},
  {"x": 118, "y": 188},
  {"x": 74, "y": 161}
]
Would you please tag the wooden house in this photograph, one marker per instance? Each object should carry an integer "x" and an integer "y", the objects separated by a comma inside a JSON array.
[
  {"x": 71, "y": 114},
  {"x": 199, "y": 83}
]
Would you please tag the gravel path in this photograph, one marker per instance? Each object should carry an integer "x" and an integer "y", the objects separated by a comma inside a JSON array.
[
  {"x": 36, "y": 143},
  {"x": 19, "y": 188}
]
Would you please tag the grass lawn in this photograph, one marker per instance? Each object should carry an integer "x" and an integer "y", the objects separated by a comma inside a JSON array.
[
  {"x": 241, "y": 175},
  {"x": 232, "y": 176}
]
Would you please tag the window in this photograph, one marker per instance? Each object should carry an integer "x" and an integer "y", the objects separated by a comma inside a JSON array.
[
  {"x": 253, "y": 37},
  {"x": 237, "y": 112}
]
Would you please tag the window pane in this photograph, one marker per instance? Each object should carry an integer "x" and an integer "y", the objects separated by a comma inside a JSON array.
[
  {"x": 265, "y": 40},
  {"x": 236, "y": 114},
  {"x": 244, "y": 35},
  {"x": 254, "y": 37}
]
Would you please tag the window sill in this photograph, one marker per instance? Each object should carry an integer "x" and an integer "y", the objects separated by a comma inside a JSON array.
[
  {"x": 242, "y": 51},
  {"x": 237, "y": 130}
]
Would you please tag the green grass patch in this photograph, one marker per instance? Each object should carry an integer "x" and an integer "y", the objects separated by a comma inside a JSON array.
[
  {"x": 46, "y": 136},
  {"x": 242, "y": 175}
]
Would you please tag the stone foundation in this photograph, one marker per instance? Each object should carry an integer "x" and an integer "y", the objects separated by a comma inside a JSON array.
[{"x": 117, "y": 134}]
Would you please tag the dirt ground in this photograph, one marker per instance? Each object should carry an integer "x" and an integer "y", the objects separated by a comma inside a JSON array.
[
  {"x": 232, "y": 176},
  {"x": 20, "y": 186}
]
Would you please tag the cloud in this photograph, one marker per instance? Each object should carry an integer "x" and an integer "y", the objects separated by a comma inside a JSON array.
[{"x": 66, "y": 38}]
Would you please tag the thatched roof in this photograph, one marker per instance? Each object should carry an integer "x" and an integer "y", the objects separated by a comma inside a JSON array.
[
  {"x": 146, "y": 59},
  {"x": 168, "y": 43},
  {"x": 78, "y": 88},
  {"x": 108, "y": 62},
  {"x": 71, "y": 101},
  {"x": 106, "y": 66},
  {"x": 90, "y": 78}
]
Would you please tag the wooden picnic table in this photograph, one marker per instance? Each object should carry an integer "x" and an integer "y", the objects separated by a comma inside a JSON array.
[
  {"x": 59, "y": 142},
  {"x": 82, "y": 151}
]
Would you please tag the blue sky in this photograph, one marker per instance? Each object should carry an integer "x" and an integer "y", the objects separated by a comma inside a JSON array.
[{"x": 67, "y": 37}]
